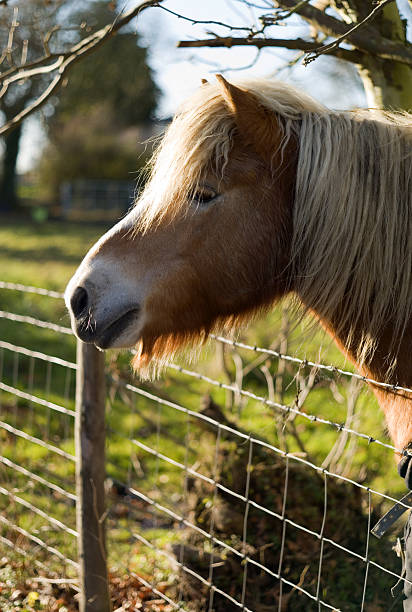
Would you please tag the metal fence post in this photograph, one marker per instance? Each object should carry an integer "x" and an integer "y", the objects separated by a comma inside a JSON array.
[{"x": 90, "y": 475}]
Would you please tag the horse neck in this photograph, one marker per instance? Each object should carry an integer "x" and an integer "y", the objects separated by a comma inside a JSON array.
[{"x": 396, "y": 404}]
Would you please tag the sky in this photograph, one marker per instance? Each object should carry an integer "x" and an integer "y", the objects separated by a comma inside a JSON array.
[{"x": 178, "y": 71}]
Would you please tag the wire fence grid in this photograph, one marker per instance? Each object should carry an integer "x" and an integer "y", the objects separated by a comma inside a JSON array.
[
  {"x": 37, "y": 492},
  {"x": 250, "y": 482}
]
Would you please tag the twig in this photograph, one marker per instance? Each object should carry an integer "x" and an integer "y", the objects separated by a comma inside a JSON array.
[
  {"x": 283, "y": 348},
  {"x": 251, "y": 64},
  {"x": 221, "y": 352},
  {"x": 304, "y": 387},
  {"x": 25, "y": 48},
  {"x": 65, "y": 62},
  {"x": 55, "y": 580},
  {"x": 208, "y": 21},
  {"x": 47, "y": 38},
  {"x": 366, "y": 39},
  {"x": 239, "y": 400},
  {"x": 334, "y": 45},
  {"x": 273, "y": 20},
  {"x": 13, "y": 27},
  {"x": 279, "y": 419}
]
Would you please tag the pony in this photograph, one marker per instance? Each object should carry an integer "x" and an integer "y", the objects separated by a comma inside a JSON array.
[{"x": 258, "y": 191}]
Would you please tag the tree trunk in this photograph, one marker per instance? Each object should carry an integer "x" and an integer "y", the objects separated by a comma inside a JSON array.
[
  {"x": 387, "y": 84},
  {"x": 8, "y": 183}
]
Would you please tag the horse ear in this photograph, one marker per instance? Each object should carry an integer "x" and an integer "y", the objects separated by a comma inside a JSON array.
[
  {"x": 256, "y": 124},
  {"x": 233, "y": 96}
]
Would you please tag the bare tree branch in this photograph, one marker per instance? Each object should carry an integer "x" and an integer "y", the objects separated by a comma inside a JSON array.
[
  {"x": 331, "y": 26},
  {"x": 363, "y": 37},
  {"x": 295, "y": 44},
  {"x": 367, "y": 39},
  {"x": 65, "y": 62},
  {"x": 38, "y": 63},
  {"x": 333, "y": 45}
]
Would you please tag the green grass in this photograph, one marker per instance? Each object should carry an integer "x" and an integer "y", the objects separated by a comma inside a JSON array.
[
  {"x": 46, "y": 255},
  {"x": 43, "y": 255}
]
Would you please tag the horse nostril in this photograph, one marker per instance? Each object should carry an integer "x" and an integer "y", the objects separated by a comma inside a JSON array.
[{"x": 79, "y": 301}]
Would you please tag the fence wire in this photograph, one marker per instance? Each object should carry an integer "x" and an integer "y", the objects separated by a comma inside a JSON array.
[
  {"x": 250, "y": 482},
  {"x": 37, "y": 486},
  {"x": 239, "y": 544},
  {"x": 221, "y": 545}
]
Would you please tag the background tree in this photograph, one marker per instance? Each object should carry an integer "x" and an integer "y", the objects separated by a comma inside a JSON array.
[
  {"x": 98, "y": 115},
  {"x": 89, "y": 145},
  {"x": 370, "y": 34},
  {"x": 116, "y": 75},
  {"x": 22, "y": 38},
  {"x": 40, "y": 41}
]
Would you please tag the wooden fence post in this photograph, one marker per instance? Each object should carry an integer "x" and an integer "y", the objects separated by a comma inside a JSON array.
[{"x": 90, "y": 475}]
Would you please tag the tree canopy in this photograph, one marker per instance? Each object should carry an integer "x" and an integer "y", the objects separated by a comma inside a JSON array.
[
  {"x": 116, "y": 75},
  {"x": 113, "y": 84}
]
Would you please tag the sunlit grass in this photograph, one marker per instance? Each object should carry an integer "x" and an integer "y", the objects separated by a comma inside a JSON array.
[{"x": 46, "y": 256}]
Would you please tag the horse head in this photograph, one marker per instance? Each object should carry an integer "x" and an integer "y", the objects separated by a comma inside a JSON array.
[{"x": 208, "y": 242}]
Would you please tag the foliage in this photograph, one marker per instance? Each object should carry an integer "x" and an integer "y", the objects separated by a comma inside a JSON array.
[
  {"x": 116, "y": 76},
  {"x": 94, "y": 132},
  {"x": 341, "y": 581},
  {"x": 89, "y": 145},
  {"x": 127, "y": 96}
]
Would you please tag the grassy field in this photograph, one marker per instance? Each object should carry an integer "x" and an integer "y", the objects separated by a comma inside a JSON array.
[{"x": 45, "y": 255}]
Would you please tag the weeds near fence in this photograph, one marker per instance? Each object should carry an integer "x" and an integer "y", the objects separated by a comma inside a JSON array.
[{"x": 250, "y": 481}]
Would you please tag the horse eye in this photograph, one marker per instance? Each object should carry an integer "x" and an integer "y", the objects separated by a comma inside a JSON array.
[{"x": 203, "y": 196}]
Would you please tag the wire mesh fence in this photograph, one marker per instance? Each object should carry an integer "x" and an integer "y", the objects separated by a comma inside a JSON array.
[
  {"x": 250, "y": 481},
  {"x": 37, "y": 487}
]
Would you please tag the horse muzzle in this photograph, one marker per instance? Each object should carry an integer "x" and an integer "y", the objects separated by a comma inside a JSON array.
[
  {"x": 94, "y": 323},
  {"x": 105, "y": 295}
]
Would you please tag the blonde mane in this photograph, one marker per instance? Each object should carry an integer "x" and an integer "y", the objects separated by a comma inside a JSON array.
[
  {"x": 352, "y": 215},
  {"x": 352, "y": 238},
  {"x": 200, "y": 138}
]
